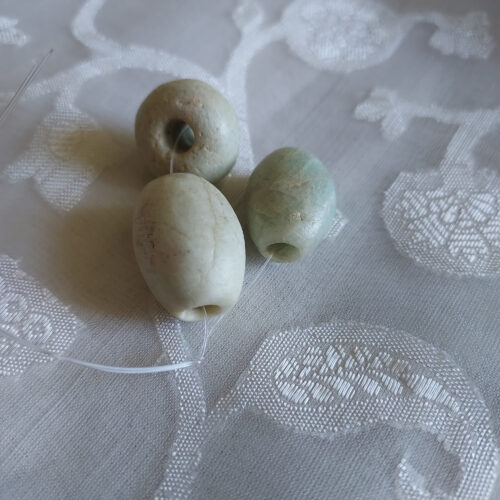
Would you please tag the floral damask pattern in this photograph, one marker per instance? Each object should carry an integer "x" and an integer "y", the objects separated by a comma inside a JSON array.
[
  {"x": 455, "y": 230},
  {"x": 446, "y": 219},
  {"x": 347, "y": 35},
  {"x": 31, "y": 313},
  {"x": 339, "y": 377},
  {"x": 68, "y": 152},
  {"x": 10, "y": 34},
  {"x": 324, "y": 380}
]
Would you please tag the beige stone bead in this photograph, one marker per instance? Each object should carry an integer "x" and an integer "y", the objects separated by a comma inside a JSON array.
[
  {"x": 190, "y": 123},
  {"x": 189, "y": 246}
]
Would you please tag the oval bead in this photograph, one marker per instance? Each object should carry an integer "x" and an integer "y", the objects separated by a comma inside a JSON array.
[
  {"x": 189, "y": 246},
  {"x": 207, "y": 146},
  {"x": 290, "y": 204}
]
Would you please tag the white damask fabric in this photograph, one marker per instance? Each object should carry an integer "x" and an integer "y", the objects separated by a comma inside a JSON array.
[
  {"x": 368, "y": 370},
  {"x": 340, "y": 377},
  {"x": 9, "y": 34},
  {"x": 448, "y": 219},
  {"x": 349, "y": 35},
  {"x": 31, "y": 313}
]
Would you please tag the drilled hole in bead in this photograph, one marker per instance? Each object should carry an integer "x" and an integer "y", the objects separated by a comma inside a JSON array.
[
  {"x": 180, "y": 136},
  {"x": 197, "y": 314},
  {"x": 283, "y": 252},
  {"x": 210, "y": 309}
]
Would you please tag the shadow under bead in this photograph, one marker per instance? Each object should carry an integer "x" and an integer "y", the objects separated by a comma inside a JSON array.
[
  {"x": 192, "y": 125},
  {"x": 189, "y": 246},
  {"x": 290, "y": 204}
]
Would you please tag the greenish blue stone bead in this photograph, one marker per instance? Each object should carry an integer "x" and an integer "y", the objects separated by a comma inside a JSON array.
[{"x": 290, "y": 204}]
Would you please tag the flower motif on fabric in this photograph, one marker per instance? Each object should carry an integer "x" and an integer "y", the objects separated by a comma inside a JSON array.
[
  {"x": 347, "y": 35},
  {"x": 455, "y": 230},
  {"x": 339, "y": 377},
  {"x": 466, "y": 36},
  {"x": 383, "y": 106},
  {"x": 10, "y": 34},
  {"x": 68, "y": 152},
  {"x": 447, "y": 219},
  {"x": 30, "y": 312}
]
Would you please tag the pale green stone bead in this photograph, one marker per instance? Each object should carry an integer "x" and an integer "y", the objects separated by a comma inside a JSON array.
[
  {"x": 208, "y": 147},
  {"x": 189, "y": 245},
  {"x": 290, "y": 204}
]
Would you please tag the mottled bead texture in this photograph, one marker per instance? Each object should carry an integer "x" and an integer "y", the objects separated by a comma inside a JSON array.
[
  {"x": 189, "y": 246},
  {"x": 290, "y": 204},
  {"x": 191, "y": 122}
]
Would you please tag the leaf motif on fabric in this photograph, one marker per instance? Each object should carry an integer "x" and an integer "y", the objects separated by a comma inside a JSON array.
[
  {"x": 10, "y": 34},
  {"x": 69, "y": 150},
  {"x": 465, "y": 37},
  {"x": 339, "y": 377}
]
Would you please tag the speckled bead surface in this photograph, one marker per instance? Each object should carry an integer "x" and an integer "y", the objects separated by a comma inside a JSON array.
[
  {"x": 207, "y": 146},
  {"x": 189, "y": 246},
  {"x": 290, "y": 204}
]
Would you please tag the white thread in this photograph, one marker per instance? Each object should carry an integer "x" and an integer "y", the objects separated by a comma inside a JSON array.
[
  {"x": 96, "y": 366},
  {"x": 248, "y": 287},
  {"x": 205, "y": 335},
  {"x": 132, "y": 370},
  {"x": 174, "y": 148},
  {"x": 22, "y": 88},
  {"x": 135, "y": 370}
]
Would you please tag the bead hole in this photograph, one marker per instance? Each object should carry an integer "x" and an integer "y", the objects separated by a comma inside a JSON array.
[
  {"x": 180, "y": 136},
  {"x": 283, "y": 252},
  {"x": 196, "y": 314},
  {"x": 210, "y": 309}
]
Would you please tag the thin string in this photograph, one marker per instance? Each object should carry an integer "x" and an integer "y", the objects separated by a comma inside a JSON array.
[
  {"x": 174, "y": 149},
  {"x": 96, "y": 366},
  {"x": 135, "y": 370},
  {"x": 247, "y": 288},
  {"x": 205, "y": 335},
  {"x": 22, "y": 88}
]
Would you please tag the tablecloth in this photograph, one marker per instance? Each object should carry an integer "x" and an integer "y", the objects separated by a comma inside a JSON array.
[{"x": 369, "y": 369}]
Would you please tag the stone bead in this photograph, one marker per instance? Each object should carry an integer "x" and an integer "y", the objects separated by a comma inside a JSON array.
[
  {"x": 290, "y": 204},
  {"x": 207, "y": 146},
  {"x": 189, "y": 246}
]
